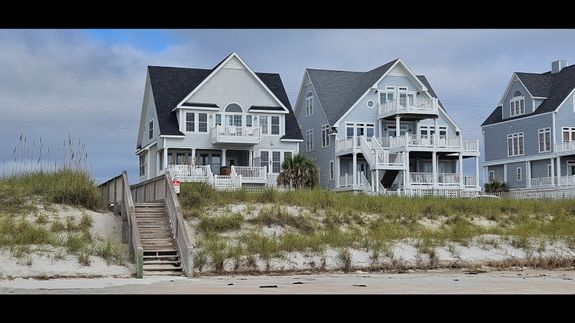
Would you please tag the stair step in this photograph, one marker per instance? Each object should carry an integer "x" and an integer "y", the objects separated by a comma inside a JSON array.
[
  {"x": 161, "y": 262},
  {"x": 161, "y": 267},
  {"x": 162, "y": 273},
  {"x": 175, "y": 255}
]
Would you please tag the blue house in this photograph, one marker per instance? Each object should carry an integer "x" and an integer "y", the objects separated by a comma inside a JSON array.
[
  {"x": 530, "y": 136},
  {"x": 382, "y": 131}
]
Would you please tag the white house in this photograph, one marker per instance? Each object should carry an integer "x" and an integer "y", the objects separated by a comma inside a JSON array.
[{"x": 228, "y": 125}]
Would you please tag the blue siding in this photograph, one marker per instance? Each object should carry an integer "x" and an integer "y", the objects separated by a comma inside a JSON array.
[
  {"x": 539, "y": 168},
  {"x": 495, "y": 136},
  {"x": 565, "y": 117},
  {"x": 320, "y": 155},
  {"x": 497, "y": 172},
  {"x": 512, "y": 181},
  {"x": 516, "y": 86}
]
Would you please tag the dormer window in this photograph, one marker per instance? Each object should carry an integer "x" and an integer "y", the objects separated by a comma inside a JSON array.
[
  {"x": 517, "y": 104},
  {"x": 151, "y": 129},
  {"x": 309, "y": 104}
]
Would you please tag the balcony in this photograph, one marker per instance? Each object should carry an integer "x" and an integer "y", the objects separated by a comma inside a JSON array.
[
  {"x": 542, "y": 182},
  {"x": 425, "y": 142},
  {"x": 426, "y": 179},
  {"x": 421, "y": 108},
  {"x": 235, "y": 135},
  {"x": 566, "y": 148},
  {"x": 250, "y": 174}
]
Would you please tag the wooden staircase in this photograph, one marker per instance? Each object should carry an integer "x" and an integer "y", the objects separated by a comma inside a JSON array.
[
  {"x": 161, "y": 256},
  {"x": 388, "y": 178}
]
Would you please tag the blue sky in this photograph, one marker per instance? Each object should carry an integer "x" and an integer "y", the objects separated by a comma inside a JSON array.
[{"x": 89, "y": 84}]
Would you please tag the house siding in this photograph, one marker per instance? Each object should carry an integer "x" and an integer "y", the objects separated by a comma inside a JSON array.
[
  {"x": 495, "y": 136},
  {"x": 320, "y": 155},
  {"x": 512, "y": 181},
  {"x": 497, "y": 173},
  {"x": 539, "y": 167},
  {"x": 153, "y": 165},
  {"x": 516, "y": 86},
  {"x": 564, "y": 117},
  {"x": 148, "y": 114}
]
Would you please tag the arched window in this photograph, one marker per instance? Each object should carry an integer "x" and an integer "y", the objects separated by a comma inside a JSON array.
[
  {"x": 232, "y": 107},
  {"x": 516, "y": 94},
  {"x": 233, "y": 115}
]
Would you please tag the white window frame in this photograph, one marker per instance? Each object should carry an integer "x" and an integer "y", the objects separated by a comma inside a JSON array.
[
  {"x": 519, "y": 174},
  {"x": 431, "y": 130},
  {"x": 206, "y": 122},
  {"x": 143, "y": 164},
  {"x": 151, "y": 129},
  {"x": 331, "y": 170},
  {"x": 325, "y": 142},
  {"x": 372, "y": 104},
  {"x": 389, "y": 93},
  {"x": 192, "y": 123},
  {"x": 517, "y": 149},
  {"x": 571, "y": 131},
  {"x": 279, "y": 126},
  {"x": 517, "y": 106},
  {"x": 491, "y": 175},
  {"x": 309, "y": 140},
  {"x": 264, "y": 128},
  {"x": 549, "y": 173},
  {"x": 270, "y": 163},
  {"x": 309, "y": 105},
  {"x": 356, "y": 125},
  {"x": 546, "y": 143}
]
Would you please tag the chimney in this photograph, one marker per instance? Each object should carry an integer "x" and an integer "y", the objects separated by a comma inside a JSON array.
[{"x": 557, "y": 66}]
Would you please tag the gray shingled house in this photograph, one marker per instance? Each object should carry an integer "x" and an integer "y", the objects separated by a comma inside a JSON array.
[
  {"x": 228, "y": 125},
  {"x": 530, "y": 136},
  {"x": 383, "y": 131}
]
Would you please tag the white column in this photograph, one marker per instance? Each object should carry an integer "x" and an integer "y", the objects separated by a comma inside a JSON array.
[
  {"x": 528, "y": 174},
  {"x": 376, "y": 182},
  {"x": 558, "y": 171},
  {"x": 193, "y": 156},
  {"x": 250, "y": 158},
  {"x": 158, "y": 166},
  {"x": 397, "y": 126},
  {"x": 224, "y": 157},
  {"x": 435, "y": 132},
  {"x": 485, "y": 174},
  {"x": 165, "y": 157},
  {"x": 460, "y": 171},
  {"x": 505, "y": 173},
  {"x": 354, "y": 169},
  {"x": 149, "y": 158},
  {"x": 552, "y": 172},
  {"x": 337, "y": 171},
  {"x": 476, "y": 173},
  {"x": 406, "y": 179},
  {"x": 434, "y": 168}
]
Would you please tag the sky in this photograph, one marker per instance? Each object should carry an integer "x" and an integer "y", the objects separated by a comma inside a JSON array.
[{"x": 88, "y": 85}]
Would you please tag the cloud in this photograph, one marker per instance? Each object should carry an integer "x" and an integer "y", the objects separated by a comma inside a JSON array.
[{"x": 91, "y": 83}]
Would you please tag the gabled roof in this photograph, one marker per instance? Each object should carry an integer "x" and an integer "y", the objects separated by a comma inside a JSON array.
[
  {"x": 170, "y": 85},
  {"x": 554, "y": 86},
  {"x": 198, "y": 104},
  {"x": 339, "y": 90},
  {"x": 263, "y": 108}
]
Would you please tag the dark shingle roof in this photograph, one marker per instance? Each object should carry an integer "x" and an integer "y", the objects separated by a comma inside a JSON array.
[
  {"x": 170, "y": 85},
  {"x": 339, "y": 90},
  {"x": 423, "y": 80},
  {"x": 262, "y": 108},
  {"x": 197, "y": 104},
  {"x": 555, "y": 87}
]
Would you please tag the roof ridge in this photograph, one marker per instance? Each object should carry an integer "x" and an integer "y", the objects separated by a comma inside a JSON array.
[{"x": 326, "y": 70}]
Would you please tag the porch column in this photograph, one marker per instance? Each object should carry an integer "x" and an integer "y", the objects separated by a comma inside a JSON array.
[
  {"x": 224, "y": 157},
  {"x": 337, "y": 171},
  {"x": 354, "y": 169},
  {"x": 477, "y": 187},
  {"x": 485, "y": 174},
  {"x": 251, "y": 158},
  {"x": 158, "y": 166},
  {"x": 528, "y": 174},
  {"x": 505, "y": 173},
  {"x": 165, "y": 158},
  {"x": 558, "y": 171},
  {"x": 193, "y": 161},
  {"x": 460, "y": 171},
  {"x": 149, "y": 158},
  {"x": 434, "y": 168},
  {"x": 435, "y": 132},
  {"x": 552, "y": 172},
  {"x": 376, "y": 183},
  {"x": 406, "y": 179},
  {"x": 397, "y": 126}
]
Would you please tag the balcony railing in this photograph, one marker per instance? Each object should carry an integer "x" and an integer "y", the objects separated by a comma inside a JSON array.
[
  {"x": 346, "y": 180},
  {"x": 250, "y": 174},
  {"x": 427, "y": 178},
  {"x": 542, "y": 181},
  {"x": 430, "y": 141},
  {"x": 420, "y": 106},
  {"x": 469, "y": 181},
  {"x": 565, "y": 147},
  {"x": 237, "y": 135}
]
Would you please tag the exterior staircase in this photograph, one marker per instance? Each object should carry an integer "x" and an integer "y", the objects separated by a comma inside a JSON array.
[
  {"x": 161, "y": 256},
  {"x": 388, "y": 178}
]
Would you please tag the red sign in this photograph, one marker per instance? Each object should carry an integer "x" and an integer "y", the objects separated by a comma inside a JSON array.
[{"x": 175, "y": 182}]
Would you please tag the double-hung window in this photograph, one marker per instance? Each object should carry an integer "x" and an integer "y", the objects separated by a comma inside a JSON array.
[
  {"x": 515, "y": 144},
  {"x": 517, "y": 106},
  {"x": 190, "y": 121},
  {"x": 309, "y": 104},
  {"x": 275, "y": 125},
  {"x": 264, "y": 124},
  {"x": 568, "y": 134},
  {"x": 544, "y": 140},
  {"x": 325, "y": 135},
  {"x": 309, "y": 140},
  {"x": 151, "y": 129}
]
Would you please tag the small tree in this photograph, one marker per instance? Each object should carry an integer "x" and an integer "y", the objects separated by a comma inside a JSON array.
[
  {"x": 495, "y": 186},
  {"x": 298, "y": 172}
]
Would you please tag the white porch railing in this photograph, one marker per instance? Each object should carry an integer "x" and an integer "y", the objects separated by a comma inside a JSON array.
[
  {"x": 364, "y": 183},
  {"x": 344, "y": 144},
  {"x": 346, "y": 180},
  {"x": 272, "y": 180},
  {"x": 420, "y": 106},
  {"x": 469, "y": 181},
  {"x": 567, "y": 180},
  {"x": 250, "y": 174},
  {"x": 189, "y": 173},
  {"x": 448, "y": 178},
  {"x": 565, "y": 147},
  {"x": 233, "y": 134},
  {"x": 542, "y": 181},
  {"x": 427, "y": 178},
  {"x": 384, "y": 157},
  {"x": 429, "y": 141},
  {"x": 421, "y": 178},
  {"x": 471, "y": 145}
]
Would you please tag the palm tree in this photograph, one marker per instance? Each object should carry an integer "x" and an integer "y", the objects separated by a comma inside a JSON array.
[
  {"x": 495, "y": 186},
  {"x": 298, "y": 172}
]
